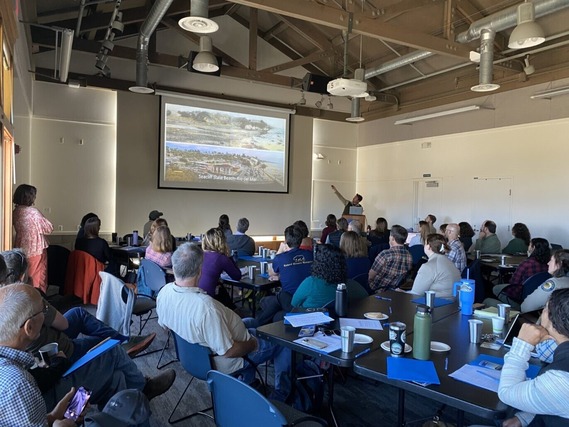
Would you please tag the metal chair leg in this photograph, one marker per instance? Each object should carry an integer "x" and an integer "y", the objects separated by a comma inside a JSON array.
[
  {"x": 166, "y": 345},
  {"x": 185, "y": 417}
]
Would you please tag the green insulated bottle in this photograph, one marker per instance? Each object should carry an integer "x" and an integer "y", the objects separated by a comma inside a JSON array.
[{"x": 422, "y": 333}]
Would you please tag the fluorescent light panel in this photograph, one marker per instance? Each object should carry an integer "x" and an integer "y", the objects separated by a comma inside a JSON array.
[
  {"x": 439, "y": 114},
  {"x": 551, "y": 93}
]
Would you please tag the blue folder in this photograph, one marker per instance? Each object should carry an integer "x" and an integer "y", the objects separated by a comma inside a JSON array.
[
  {"x": 405, "y": 369},
  {"x": 92, "y": 354}
]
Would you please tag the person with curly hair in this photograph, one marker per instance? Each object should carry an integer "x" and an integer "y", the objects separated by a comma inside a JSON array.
[
  {"x": 31, "y": 228},
  {"x": 318, "y": 289},
  {"x": 521, "y": 240}
]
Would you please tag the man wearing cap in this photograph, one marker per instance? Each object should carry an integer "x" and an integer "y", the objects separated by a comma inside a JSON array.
[
  {"x": 152, "y": 216},
  {"x": 127, "y": 408}
]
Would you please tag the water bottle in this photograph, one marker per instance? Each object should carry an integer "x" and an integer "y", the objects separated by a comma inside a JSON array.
[
  {"x": 341, "y": 300},
  {"x": 135, "y": 238},
  {"x": 422, "y": 333}
]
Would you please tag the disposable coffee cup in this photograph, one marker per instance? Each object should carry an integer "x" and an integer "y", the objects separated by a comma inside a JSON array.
[
  {"x": 347, "y": 333},
  {"x": 264, "y": 268},
  {"x": 430, "y": 298},
  {"x": 504, "y": 311},
  {"x": 273, "y": 254},
  {"x": 114, "y": 238},
  {"x": 261, "y": 250},
  {"x": 475, "y": 327},
  {"x": 503, "y": 264},
  {"x": 266, "y": 252},
  {"x": 497, "y": 325},
  {"x": 48, "y": 351},
  {"x": 129, "y": 241},
  {"x": 251, "y": 272}
]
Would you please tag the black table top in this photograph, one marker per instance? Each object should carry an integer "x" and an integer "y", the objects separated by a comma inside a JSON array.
[
  {"x": 403, "y": 310},
  {"x": 454, "y": 331}
]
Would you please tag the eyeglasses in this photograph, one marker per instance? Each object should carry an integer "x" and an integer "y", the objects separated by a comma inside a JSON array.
[{"x": 44, "y": 310}]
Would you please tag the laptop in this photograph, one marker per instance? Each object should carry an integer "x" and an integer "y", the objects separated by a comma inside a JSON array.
[
  {"x": 514, "y": 331},
  {"x": 356, "y": 210}
]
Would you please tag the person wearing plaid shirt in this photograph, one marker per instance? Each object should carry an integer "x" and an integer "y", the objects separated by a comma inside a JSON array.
[
  {"x": 456, "y": 254},
  {"x": 391, "y": 265}
]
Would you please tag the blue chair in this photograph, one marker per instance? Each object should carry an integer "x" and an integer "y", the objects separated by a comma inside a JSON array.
[
  {"x": 533, "y": 282},
  {"x": 152, "y": 276},
  {"x": 251, "y": 408},
  {"x": 196, "y": 360}
]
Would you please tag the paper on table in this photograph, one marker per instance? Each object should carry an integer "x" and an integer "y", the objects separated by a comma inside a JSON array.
[
  {"x": 478, "y": 376},
  {"x": 334, "y": 342},
  {"x": 314, "y": 318},
  {"x": 362, "y": 323}
]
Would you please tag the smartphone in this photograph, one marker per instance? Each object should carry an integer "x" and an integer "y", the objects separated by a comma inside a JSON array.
[
  {"x": 307, "y": 331},
  {"x": 311, "y": 342},
  {"x": 77, "y": 404}
]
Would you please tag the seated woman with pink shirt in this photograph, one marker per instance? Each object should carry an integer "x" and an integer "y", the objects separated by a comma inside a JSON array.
[{"x": 160, "y": 250}]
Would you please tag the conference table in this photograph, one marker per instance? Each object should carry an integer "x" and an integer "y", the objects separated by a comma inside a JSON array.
[
  {"x": 397, "y": 305},
  {"x": 454, "y": 331}
]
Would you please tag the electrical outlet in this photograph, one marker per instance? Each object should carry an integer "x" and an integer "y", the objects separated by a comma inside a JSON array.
[{"x": 60, "y": 227}]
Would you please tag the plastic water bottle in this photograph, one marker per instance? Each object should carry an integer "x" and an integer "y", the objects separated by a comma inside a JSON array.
[
  {"x": 341, "y": 300},
  {"x": 135, "y": 238},
  {"x": 422, "y": 333}
]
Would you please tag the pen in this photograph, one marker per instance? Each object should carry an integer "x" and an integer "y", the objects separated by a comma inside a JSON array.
[
  {"x": 361, "y": 353},
  {"x": 99, "y": 345},
  {"x": 446, "y": 364},
  {"x": 487, "y": 375},
  {"x": 385, "y": 325},
  {"x": 383, "y": 298}
]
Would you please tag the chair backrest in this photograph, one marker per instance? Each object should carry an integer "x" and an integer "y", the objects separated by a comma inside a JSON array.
[
  {"x": 154, "y": 276},
  {"x": 82, "y": 277},
  {"x": 250, "y": 408},
  {"x": 112, "y": 308},
  {"x": 195, "y": 358},
  {"x": 418, "y": 254},
  {"x": 57, "y": 257},
  {"x": 475, "y": 273},
  {"x": 533, "y": 282},
  {"x": 362, "y": 279},
  {"x": 374, "y": 251},
  {"x": 556, "y": 246}
]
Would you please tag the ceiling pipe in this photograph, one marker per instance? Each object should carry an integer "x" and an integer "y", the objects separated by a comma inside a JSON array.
[
  {"x": 486, "y": 63},
  {"x": 397, "y": 63},
  {"x": 356, "y": 115},
  {"x": 148, "y": 26},
  {"x": 198, "y": 21},
  {"x": 508, "y": 18}
]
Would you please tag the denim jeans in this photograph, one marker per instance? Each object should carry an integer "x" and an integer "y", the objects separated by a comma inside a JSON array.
[{"x": 82, "y": 322}]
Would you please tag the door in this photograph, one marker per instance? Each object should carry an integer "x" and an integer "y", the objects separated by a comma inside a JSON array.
[
  {"x": 428, "y": 199},
  {"x": 492, "y": 199}
]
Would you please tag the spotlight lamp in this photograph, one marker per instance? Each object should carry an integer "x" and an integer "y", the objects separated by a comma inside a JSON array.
[
  {"x": 527, "y": 33},
  {"x": 205, "y": 61}
]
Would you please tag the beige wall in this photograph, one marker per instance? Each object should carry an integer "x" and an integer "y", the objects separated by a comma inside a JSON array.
[{"x": 196, "y": 211}]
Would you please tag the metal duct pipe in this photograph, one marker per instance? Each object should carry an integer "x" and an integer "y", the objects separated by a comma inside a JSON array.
[
  {"x": 356, "y": 115},
  {"x": 199, "y": 8},
  {"x": 486, "y": 62},
  {"x": 397, "y": 63},
  {"x": 508, "y": 18},
  {"x": 66, "y": 47},
  {"x": 148, "y": 26}
]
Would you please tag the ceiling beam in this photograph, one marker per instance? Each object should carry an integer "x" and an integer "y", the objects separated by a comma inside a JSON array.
[
  {"x": 362, "y": 24},
  {"x": 253, "y": 29},
  {"x": 275, "y": 30},
  {"x": 313, "y": 57}
]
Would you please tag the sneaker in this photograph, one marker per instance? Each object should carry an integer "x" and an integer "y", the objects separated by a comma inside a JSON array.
[
  {"x": 159, "y": 384},
  {"x": 138, "y": 343}
]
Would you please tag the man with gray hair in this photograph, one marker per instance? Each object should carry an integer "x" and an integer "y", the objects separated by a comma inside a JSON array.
[
  {"x": 457, "y": 254},
  {"x": 334, "y": 237},
  {"x": 21, "y": 316},
  {"x": 239, "y": 241},
  {"x": 196, "y": 317}
]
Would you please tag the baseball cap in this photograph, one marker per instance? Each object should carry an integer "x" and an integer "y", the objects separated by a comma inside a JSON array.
[
  {"x": 126, "y": 408},
  {"x": 154, "y": 215}
]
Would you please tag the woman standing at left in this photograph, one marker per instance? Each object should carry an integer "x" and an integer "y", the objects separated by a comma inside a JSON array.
[{"x": 31, "y": 227}]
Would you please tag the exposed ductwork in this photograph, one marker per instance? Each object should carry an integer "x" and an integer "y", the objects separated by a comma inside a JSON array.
[
  {"x": 486, "y": 62},
  {"x": 508, "y": 18},
  {"x": 356, "y": 115},
  {"x": 198, "y": 21},
  {"x": 397, "y": 63},
  {"x": 148, "y": 26}
]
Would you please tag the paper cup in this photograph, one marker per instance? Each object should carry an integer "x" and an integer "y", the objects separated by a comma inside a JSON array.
[
  {"x": 497, "y": 325},
  {"x": 430, "y": 298},
  {"x": 504, "y": 311},
  {"x": 475, "y": 327},
  {"x": 347, "y": 333},
  {"x": 48, "y": 351}
]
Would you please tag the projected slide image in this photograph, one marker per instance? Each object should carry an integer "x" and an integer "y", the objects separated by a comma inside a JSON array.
[{"x": 213, "y": 146}]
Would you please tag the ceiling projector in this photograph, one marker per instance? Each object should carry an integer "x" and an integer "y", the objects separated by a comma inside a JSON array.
[{"x": 347, "y": 87}]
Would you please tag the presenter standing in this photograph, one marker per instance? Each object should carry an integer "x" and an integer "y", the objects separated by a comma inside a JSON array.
[{"x": 355, "y": 202}]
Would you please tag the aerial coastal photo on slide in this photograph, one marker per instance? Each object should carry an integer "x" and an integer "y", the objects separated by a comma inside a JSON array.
[{"x": 205, "y": 145}]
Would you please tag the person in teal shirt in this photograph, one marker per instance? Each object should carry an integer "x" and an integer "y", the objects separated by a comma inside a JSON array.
[{"x": 520, "y": 242}]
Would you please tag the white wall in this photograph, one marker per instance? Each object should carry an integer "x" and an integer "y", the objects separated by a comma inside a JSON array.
[
  {"x": 196, "y": 211},
  {"x": 534, "y": 156},
  {"x": 73, "y": 179}
]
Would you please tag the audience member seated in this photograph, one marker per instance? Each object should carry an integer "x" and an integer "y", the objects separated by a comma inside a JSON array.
[
  {"x": 239, "y": 241},
  {"x": 158, "y": 223},
  {"x": 160, "y": 249},
  {"x": 196, "y": 317},
  {"x": 380, "y": 234},
  {"x": 421, "y": 238},
  {"x": 520, "y": 242},
  {"x": 126, "y": 408},
  {"x": 511, "y": 293},
  {"x": 216, "y": 260},
  {"x": 488, "y": 242},
  {"x": 466, "y": 235},
  {"x": 330, "y": 227},
  {"x": 354, "y": 248},
  {"x": 328, "y": 270},
  {"x": 334, "y": 237},
  {"x": 81, "y": 231},
  {"x": 306, "y": 240},
  {"x": 392, "y": 265},
  {"x": 541, "y": 401},
  {"x": 291, "y": 268},
  {"x": 443, "y": 229},
  {"x": 439, "y": 273},
  {"x": 152, "y": 216},
  {"x": 92, "y": 243},
  {"x": 223, "y": 225},
  {"x": 105, "y": 375},
  {"x": 356, "y": 226},
  {"x": 457, "y": 253},
  {"x": 558, "y": 267},
  {"x": 431, "y": 219}
]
